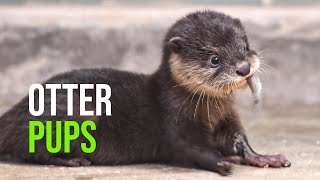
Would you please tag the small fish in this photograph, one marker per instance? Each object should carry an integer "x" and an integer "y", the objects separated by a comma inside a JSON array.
[{"x": 256, "y": 88}]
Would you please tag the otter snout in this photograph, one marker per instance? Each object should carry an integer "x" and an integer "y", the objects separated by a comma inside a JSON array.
[{"x": 243, "y": 69}]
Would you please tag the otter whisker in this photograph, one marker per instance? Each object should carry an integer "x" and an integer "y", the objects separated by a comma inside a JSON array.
[
  {"x": 184, "y": 103},
  {"x": 203, "y": 97},
  {"x": 215, "y": 100},
  {"x": 264, "y": 69},
  {"x": 268, "y": 67},
  {"x": 220, "y": 100},
  {"x": 260, "y": 73},
  {"x": 208, "y": 97},
  {"x": 195, "y": 93},
  {"x": 182, "y": 84},
  {"x": 196, "y": 108}
]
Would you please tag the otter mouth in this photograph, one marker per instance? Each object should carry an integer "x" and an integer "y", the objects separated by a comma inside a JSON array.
[
  {"x": 254, "y": 84},
  {"x": 242, "y": 84},
  {"x": 230, "y": 88}
]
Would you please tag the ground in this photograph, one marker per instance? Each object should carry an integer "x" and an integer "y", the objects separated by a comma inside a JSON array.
[
  {"x": 297, "y": 137},
  {"x": 38, "y": 42}
]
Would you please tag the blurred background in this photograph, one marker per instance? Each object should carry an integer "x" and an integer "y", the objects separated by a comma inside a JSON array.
[{"x": 40, "y": 38}]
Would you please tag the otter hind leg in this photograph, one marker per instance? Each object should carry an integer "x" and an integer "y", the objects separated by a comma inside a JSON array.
[
  {"x": 213, "y": 163},
  {"x": 202, "y": 158}
]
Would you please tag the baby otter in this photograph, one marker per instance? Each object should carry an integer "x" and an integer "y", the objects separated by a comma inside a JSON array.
[{"x": 183, "y": 114}]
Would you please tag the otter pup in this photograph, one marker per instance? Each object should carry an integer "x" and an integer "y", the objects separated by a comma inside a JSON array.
[{"x": 182, "y": 114}]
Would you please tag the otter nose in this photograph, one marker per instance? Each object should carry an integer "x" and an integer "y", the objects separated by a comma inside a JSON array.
[{"x": 243, "y": 69}]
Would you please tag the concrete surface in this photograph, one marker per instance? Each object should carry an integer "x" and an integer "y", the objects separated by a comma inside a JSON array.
[
  {"x": 37, "y": 42},
  {"x": 297, "y": 137}
]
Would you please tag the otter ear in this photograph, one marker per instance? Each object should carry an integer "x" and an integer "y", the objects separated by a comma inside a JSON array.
[{"x": 175, "y": 44}]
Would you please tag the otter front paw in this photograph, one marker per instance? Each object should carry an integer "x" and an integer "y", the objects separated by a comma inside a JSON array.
[{"x": 275, "y": 161}]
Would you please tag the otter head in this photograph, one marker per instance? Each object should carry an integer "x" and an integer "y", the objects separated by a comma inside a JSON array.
[{"x": 208, "y": 52}]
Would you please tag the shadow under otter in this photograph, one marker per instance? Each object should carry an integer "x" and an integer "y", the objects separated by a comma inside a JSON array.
[{"x": 183, "y": 114}]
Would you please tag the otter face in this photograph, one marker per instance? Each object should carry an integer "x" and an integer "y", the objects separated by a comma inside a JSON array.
[{"x": 209, "y": 53}]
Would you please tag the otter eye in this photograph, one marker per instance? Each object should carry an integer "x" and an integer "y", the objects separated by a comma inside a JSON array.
[{"x": 215, "y": 61}]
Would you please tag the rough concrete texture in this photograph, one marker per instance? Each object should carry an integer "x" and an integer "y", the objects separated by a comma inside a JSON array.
[{"x": 38, "y": 42}]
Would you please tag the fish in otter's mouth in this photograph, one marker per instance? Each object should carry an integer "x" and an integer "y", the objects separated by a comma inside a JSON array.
[
  {"x": 256, "y": 87},
  {"x": 254, "y": 84}
]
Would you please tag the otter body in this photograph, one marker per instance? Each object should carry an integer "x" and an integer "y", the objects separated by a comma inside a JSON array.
[
  {"x": 182, "y": 114},
  {"x": 131, "y": 130}
]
